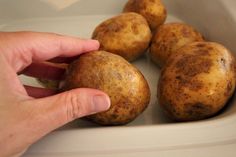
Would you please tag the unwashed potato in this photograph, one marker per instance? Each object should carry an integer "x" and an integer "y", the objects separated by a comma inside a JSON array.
[
  {"x": 127, "y": 35},
  {"x": 197, "y": 81},
  {"x": 153, "y": 10},
  {"x": 52, "y": 84},
  {"x": 128, "y": 90},
  {"x": 169, "y": 38}
]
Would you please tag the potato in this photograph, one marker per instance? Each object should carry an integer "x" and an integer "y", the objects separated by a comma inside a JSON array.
[
  {"x": 197, "y": 81},
  {"x": 127, "y": 35},
  {"x": 128, "y": 90},
  {"x": 153, "y": 10},
  {"x": 169, "y": 38}
]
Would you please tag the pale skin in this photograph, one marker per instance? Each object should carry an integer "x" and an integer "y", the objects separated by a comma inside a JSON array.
[{"x": 27, "y": 113}]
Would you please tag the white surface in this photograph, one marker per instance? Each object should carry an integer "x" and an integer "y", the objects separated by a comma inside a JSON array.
[
  {"x": 221, "y": 150},
  {"x": 151, "y": 134}
]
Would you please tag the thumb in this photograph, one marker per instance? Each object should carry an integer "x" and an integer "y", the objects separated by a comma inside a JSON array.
[{"x": 55, "y": 111}]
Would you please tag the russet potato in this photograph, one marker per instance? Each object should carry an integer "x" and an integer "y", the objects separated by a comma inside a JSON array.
[
  {"x": 153, "y": 10},
  {"x": 127, "y": 35},
  {"x": 126, "y": 86},
  {"x": 197, "y": 81},
  {"x": 169, "y": 38}
]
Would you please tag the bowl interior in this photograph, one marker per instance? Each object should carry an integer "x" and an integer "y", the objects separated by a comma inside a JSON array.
[{"x": 80, "y": 17}]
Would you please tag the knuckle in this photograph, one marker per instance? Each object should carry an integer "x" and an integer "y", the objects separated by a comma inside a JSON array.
[
  {"x": 74, "y": 106},
  {"x": 59, "y": 43}
]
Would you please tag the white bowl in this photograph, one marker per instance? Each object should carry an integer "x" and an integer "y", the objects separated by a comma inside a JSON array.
[{"x": 151, "y": 133}]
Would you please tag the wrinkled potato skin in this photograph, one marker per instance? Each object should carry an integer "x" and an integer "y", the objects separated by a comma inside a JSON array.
[
  {"x": 153, "y": 10},
  {"x": 197, "y": 81},
  {"x": 169, "y": 38},
  {"x": 127, "y": 35},
  {"x": 126, "y": 86}
]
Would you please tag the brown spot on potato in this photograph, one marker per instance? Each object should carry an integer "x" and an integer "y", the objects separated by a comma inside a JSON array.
[
  {"x": 190, "y": 83},
  {"x": 223, "y": 62},
  {"x": 192, "y": 65},
  {"x": 185, "y": 32},
  {"x": 115, "y": 27},
  {"x": 178, "y": 78},
  {"x": 114, "y": 116},
  {"x": 197, "y": 111},
  {"x": 201, "y": 45},
  {"x": 209, "y": 48}
]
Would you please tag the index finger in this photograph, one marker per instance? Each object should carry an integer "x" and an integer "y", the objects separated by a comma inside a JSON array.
[{"x": 24, "y": 48}]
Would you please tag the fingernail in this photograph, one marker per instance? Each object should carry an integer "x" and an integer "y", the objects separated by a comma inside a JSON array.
[
  {"x": 101, "y": 103},
  {"x": 94, "y": 41}
]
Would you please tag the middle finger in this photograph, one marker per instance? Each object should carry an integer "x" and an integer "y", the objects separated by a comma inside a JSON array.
[{"x": 45, "y": 70}]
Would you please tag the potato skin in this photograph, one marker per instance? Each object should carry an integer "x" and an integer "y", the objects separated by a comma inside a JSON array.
[
  {"x": 128, "y": 90},
  {"x": 153, "y": 10},
  {"x": 169, "y": 38},
  {"x": 127, "y": 35},
  {"x": 197, "y": 81}
]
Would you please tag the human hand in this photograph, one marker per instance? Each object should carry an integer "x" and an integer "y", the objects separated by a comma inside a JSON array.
[{"x": 25, "y": 119}]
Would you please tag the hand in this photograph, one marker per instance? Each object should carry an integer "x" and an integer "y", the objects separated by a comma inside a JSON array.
[{"x": 23, "y": 118}]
